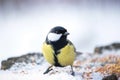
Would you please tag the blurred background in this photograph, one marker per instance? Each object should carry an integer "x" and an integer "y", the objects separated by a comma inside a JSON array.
[{"x": 24, "y": 24}]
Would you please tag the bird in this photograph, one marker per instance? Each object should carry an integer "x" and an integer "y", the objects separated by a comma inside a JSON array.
[{"x": 58, "y": 50}]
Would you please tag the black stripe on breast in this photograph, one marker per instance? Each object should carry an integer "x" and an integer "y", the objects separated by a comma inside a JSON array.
[
  {"x": 56, "y": 61},
  {"x": 57, "y": 46}
]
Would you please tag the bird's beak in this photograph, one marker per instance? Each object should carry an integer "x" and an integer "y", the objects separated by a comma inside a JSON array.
[{"x": 66, "y": 33}]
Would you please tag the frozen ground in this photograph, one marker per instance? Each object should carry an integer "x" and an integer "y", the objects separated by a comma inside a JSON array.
[
  {"x": 37, "y": 75},
  {"x": 35, "y": 72}
]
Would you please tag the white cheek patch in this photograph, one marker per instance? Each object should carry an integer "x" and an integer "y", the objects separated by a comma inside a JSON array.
[{"x": 54, "y": 37}]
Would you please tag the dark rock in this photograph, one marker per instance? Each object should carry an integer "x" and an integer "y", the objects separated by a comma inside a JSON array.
[
  {"x": 28, "y": 58},
  {"x": 111, "y": 77},
  {"x": 113, "y": 46},
  {"x": 116, "y": 46},
  {"x": 98, "y": 50}
]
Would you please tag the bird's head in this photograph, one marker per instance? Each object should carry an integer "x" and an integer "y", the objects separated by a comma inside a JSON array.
[{"x": 57, "y": 33}]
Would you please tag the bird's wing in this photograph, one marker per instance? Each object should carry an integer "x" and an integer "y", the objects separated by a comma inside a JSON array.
[{"x": 69, "y": 42}]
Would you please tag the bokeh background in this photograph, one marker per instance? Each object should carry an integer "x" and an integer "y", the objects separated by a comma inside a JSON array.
[{"x": 24, "y": 24}]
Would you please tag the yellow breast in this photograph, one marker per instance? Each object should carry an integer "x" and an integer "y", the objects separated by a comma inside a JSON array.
[
  {"x": 48, "y": 53},
  {"x": 66, "y": 55}
]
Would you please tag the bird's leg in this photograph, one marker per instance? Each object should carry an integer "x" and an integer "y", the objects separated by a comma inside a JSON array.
[
  {"x": 48, "y": 69},
  {"x": 73, "y": 73}
]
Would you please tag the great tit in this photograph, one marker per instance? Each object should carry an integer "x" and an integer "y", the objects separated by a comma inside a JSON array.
[{"x": 58, "y": 50}]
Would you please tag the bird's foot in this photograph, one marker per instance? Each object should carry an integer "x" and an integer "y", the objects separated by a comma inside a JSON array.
[
  {"x": 73, "y": 73},
  {"x": 48, "y": 70}
]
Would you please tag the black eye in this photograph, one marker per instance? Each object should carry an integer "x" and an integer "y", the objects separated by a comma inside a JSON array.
[{"x": 57, "y": 32}]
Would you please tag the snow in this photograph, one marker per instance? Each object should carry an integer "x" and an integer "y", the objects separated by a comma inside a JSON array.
[
  {"x": 34, "y": 75},
  {"x": 37, "y": 74},
  {"x": 97, "y": 76},
  {"x": 23, "y": 71}
]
